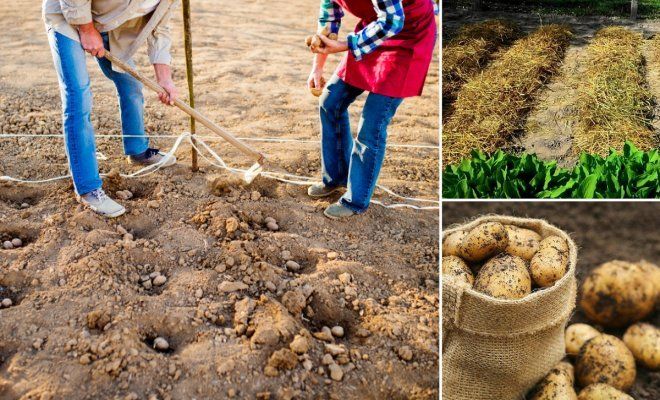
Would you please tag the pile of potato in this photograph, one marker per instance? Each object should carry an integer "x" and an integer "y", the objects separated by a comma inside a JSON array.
[
  {"x": 616, "y": 294},
  {"x": 510, "y": 261}
]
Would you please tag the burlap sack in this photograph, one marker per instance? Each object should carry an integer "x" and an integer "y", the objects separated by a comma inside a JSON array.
[{"x": 495, "y": 349}]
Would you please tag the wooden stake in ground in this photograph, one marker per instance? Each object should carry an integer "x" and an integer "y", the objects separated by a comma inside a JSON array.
[
  {"x": 187, "y": 41},
  {"x": 633, "y": 9}
]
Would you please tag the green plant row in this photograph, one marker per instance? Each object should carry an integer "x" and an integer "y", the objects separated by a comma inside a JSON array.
[{"x": 629, "y": 174}]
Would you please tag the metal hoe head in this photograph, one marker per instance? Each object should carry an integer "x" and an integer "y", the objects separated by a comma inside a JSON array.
[{"x": 253, "y": 172}]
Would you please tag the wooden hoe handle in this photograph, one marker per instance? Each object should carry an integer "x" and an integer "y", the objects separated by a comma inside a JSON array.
[{"x": 257, "y": 156}]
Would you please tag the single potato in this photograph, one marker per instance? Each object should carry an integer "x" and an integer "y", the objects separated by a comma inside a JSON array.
[
  {"x": 602, "y": 391},
  {"x": 558, "y": 384},
  {"x": 550, "y": 262},
  {"x": 577, "y": 335},
  {"x": 484, "y": 241},
  {"x": 317, "y": 92},
  {"x": 451, "y": 243},
  {"x": 643, "y": 340},
  {"x": 504, "y": 277},
  {"x": 617, "y": 294},
  {"x": 455, "y": 266},
  {"x": 523, "y": 242},
  {"x": 606, "y": 359}
]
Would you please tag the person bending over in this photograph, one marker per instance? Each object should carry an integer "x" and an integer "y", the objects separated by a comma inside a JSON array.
[
  {"x": 388, "y": 56},
  {"x": 94, "y": 26}
]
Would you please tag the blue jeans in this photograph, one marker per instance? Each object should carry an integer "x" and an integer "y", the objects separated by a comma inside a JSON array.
[
  {"x": 69, "y": 59},
  {"x": 347, "y": 162}
]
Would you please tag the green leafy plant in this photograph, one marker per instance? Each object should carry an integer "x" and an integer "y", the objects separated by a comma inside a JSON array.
[{"x": 631, "y": 173}]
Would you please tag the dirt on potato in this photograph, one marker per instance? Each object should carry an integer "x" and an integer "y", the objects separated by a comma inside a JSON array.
[
  {"x": 603, "y": 232},
  {"x": 209, "y": 288}
]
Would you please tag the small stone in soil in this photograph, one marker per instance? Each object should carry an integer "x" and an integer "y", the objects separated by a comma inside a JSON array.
[
  {"x": 332, "y": 255},
  {"x": 161, "y": 344},
  {"x": 160, "y": 280},
  {"x": 7, "y": 245},
  {"x": 325, "y": 334},
  {"x": 16, "y": 242},
  {"x": 292, "y": 265},
  {"x": 337, "y": 331},
  {"x": 7, "y": 302},
  {"x": 405, "y": 353},
  {"x": 272, "y": 226},
  {"x": 336, "y": 373}
]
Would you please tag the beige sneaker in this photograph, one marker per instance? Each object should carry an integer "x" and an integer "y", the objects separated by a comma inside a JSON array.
[
  {"x": 338, "y": 211},
  {"x": 100, "y": 203},
  {"x": 320, "y": 190},
  {"x": 151, "y": 157}
]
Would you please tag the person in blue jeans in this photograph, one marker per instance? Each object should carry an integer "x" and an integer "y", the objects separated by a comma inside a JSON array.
[
  {"x": 388, "y": 55},
  {"x": 73, "y": 30},
  {"x": 353, "y": 164}
]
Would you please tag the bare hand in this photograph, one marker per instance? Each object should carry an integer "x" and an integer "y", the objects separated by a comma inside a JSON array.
[
  {"x": 315, "y": 80},
  {"x": 164, "y": 79},
  {"x": 330, "y": 46},
  {"x": 91, "y": 40}
]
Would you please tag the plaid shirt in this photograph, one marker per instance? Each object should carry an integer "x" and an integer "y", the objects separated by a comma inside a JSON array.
[{"x": 389, "y": 23}]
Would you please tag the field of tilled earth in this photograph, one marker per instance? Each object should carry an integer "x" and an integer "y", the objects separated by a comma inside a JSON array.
[{"x": 208, "y": 288}]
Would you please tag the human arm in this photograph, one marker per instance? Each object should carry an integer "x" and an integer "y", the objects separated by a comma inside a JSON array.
[
  {"x": 159, "y": 44},
  {"x": 330, "y": 15}
]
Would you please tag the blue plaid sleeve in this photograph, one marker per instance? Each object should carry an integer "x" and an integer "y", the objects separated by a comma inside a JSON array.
[
  {"x": 330, "y": 13},
  {"x": 389, "y": 23}
]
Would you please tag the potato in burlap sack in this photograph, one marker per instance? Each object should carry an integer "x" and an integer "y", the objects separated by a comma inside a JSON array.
[{"x": 498, "y": 349}]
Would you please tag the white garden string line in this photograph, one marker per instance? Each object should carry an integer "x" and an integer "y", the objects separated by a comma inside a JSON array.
[
  {"x": 213, "y": 137},
  {"x": 283, "y": 177}
]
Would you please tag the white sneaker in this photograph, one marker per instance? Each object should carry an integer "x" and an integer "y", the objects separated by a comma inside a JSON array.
[
  {"x": 100, "y": 203},
  {"x": 151, "y": 157}
]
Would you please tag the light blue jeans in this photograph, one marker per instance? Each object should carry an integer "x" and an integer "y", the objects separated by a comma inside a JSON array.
[
  {"x": 69, "y": 58},
  {"x": 348, "y": 162}
]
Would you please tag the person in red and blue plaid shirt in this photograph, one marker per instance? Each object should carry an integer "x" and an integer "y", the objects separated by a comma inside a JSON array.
[{"x": 390, "y": 52}]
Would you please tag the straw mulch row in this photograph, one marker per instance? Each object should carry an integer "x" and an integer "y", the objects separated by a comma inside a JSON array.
[
  {"x": 470, "y": 50},
  {"x": 614, "y": 103},
  {"x": 492, "y": 106}
]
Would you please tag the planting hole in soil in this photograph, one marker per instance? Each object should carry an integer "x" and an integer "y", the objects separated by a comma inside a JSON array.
[
  {"x": 14, "y": 237},
  {"x": 21, "y": 197},
  {"x": 160, "y": 344}
]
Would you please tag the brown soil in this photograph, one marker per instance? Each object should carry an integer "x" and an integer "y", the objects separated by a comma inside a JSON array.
[
  {"x": 84, "y": 320},
  {"x": 549, "y": 128},
  {"x": 602, "y": 231}
]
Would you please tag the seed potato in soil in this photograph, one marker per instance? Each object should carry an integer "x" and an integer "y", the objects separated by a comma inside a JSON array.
[
  {"x": 207, "y": 288},
  {"x": 603, "y": 232}
]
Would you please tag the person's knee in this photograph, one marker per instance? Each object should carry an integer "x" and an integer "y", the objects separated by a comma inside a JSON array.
[
  {"x": 130, "y": 90},
  {"x": 331, "y": 103}
]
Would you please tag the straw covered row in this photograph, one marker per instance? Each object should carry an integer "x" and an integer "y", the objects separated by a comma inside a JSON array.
[
  {"x": 492, "y": 106},
  {"x": 470, "y": 50},
  {"x": 614, "y": 103}
]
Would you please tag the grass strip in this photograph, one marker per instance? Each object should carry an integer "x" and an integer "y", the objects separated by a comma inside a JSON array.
[
  {"x": 631, "y": 173},
  {"x": 491, "y": 107},
  {"x": 469, "y": 51},
  {"x": 614, "y": 104}
]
